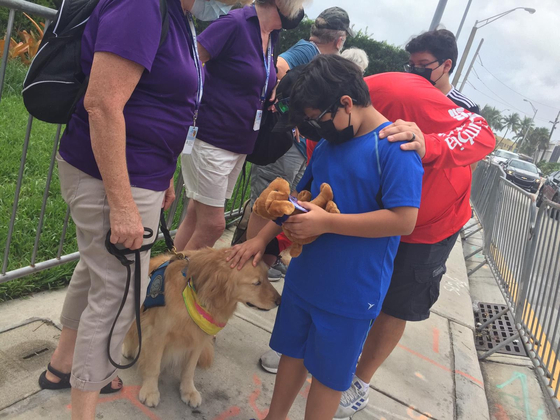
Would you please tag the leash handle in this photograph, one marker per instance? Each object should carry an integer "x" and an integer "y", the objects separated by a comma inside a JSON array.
[{"x": 120, "y": 254}]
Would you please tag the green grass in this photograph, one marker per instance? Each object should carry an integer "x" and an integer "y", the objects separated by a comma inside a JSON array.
[{"x": 13, "y": 124}]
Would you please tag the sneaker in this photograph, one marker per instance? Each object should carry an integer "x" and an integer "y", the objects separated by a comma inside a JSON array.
[
  {"x": 274, "y": 274},
  {"x": 280, "y": 266},
  {"x": 270, "y": 361},
  {"x": 353, "y": 400}
]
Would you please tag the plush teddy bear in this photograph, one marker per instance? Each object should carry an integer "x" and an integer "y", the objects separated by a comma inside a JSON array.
[{"x": 275, "y": 203}]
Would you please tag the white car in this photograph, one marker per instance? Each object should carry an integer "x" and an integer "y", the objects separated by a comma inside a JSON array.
[{"x": 502, "y": 156}]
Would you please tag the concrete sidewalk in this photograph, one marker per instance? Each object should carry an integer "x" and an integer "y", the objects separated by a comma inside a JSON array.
[
  {"x": 433, "y": 373},
  {"x": 511, "y": 383}
]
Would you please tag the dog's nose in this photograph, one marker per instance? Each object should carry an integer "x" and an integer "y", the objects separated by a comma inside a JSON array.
[{"x": 279, "y": 300}]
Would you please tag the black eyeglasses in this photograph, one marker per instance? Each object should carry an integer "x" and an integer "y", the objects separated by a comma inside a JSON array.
[
  {"x": 315, "y": 122},
  {"x": 409, "y": 68}
]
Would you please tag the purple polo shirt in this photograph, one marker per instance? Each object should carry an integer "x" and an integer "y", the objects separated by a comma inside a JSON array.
[
  {"x": 234, "y": 80},
  {"x": 161, "y": 108}
]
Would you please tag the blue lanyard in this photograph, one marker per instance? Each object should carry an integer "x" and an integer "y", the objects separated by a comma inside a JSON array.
[
  {"x": 267, "y": 64},
  {"x": 198, "y": 66}
]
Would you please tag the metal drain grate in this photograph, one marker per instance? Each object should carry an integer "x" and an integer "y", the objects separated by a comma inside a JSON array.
[{"x": 500, "y": 330}]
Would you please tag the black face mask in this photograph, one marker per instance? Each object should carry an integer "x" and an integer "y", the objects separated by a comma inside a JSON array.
[
  {"x": 426, "y": 73},
  {"x": 329, "y": 132},
  {"x": 291, "y": 23}
]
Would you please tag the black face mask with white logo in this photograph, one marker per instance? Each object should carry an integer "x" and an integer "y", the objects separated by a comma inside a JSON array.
[{"x": 293, "y": 22}]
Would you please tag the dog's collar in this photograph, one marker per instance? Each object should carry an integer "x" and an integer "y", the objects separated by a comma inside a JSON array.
[{"x": 198, "y": 314}]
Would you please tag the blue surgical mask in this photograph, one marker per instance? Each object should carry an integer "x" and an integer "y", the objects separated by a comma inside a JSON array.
[{"x": 209, "y": 10}]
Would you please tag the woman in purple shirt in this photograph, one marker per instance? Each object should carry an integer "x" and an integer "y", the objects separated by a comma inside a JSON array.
[
  {"x": 240, "y": 77},
  {"x": 116, "y": 163}
]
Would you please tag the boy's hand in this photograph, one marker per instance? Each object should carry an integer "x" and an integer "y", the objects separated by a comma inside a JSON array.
[
  {"x": 306, "y": 225},
  {"x": 406, "y": 131},
  {"x": 240, "y": 254}
]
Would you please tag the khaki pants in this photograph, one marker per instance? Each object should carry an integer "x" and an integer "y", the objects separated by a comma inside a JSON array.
[{"x": 97, "y": 286}]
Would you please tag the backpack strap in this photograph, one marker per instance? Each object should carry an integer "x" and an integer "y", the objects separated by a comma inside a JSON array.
[{"x": 164, "y": 21}]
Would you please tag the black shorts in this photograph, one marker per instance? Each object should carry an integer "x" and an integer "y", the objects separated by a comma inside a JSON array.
[{"x": 416, "y": 279}]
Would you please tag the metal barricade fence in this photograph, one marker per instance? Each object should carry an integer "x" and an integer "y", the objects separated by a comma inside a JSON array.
[
  {"x": 233, "y": 207},
  {"x": 521, "y": 247}
]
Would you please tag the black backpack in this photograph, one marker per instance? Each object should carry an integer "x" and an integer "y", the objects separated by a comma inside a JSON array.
[{"x": 55, "y": 82}]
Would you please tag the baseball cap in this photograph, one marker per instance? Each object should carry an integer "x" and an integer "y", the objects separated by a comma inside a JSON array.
[
  {"x": 336, "y": 19},
  {"x": 283, "y": 92}
]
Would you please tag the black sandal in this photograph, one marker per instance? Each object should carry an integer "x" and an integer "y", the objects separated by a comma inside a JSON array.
[{"x": 64, "y": 382}]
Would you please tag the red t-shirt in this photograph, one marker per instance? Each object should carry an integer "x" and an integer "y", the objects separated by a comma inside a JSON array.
[{"x": 455, "y": 138}]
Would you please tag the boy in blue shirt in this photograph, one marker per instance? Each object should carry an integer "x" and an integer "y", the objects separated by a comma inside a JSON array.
[{"x": 335, "y": 288}]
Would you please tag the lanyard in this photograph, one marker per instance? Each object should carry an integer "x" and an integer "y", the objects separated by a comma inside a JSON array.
[
  {"x": 198, "y": 66},
  {"x": 267, "y": 64}
]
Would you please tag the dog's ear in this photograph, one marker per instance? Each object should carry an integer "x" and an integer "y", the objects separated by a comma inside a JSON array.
[{"x": 217, "y": 291}]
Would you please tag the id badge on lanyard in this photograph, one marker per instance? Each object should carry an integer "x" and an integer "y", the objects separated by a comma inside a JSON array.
[
  {"x": 267, "y": 65},
  {"x": 193, "y": 129}
]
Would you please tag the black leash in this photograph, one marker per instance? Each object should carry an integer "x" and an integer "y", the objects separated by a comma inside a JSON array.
[{"x": 120, "y": 254}]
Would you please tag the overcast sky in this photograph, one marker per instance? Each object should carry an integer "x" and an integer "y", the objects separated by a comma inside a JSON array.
[{"x": 522, "y": 50}]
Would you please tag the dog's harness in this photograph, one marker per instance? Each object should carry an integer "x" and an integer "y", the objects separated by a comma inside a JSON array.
[{"x": 197, "y": 312}]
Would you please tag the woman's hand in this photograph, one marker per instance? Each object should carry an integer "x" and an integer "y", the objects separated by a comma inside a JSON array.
[
  {"x": 126, "y": 227},
  {"x": 305, "y": 225},
  {"x": 240, "y": 254},
  {"x": 169, "y": 197},
  {"x": 406, "y": 131}
]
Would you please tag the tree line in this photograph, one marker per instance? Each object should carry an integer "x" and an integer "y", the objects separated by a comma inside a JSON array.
[{"x": 536, "y": 138}]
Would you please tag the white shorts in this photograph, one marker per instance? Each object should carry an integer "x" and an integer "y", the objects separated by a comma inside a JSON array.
[{"x": 210, "y": 173}]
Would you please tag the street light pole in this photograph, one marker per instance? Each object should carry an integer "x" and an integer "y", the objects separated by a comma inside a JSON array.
[
  {"x": 529, "y": 126},
  {"x": 471, "y": 66},
  {"x": 463, "y": 20},
  {"x": 473, "y": 33},
  {"x": 464, "y": 56},
  {"x": 438, "y": 14}
]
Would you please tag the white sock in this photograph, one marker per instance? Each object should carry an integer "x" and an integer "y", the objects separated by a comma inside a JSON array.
[{"x": 364, "y": 385}]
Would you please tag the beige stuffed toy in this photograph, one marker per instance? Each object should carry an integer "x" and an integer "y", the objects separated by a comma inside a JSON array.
[{"x": 275, "y": 202}]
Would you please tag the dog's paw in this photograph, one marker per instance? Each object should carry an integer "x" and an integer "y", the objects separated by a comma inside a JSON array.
[
  {"x": 149, "y": 397},
  {"x": 192, "y": 398}
]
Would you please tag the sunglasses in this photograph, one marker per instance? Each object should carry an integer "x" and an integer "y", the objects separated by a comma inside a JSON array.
[
  {"x": 316, "y": 122},
  {"x": 409, "y": 68},
  {"x": 283, "y": 105}
]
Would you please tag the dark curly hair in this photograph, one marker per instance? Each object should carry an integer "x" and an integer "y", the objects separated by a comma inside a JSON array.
[
  {"x": 324, "y": 80},
  {"x": 440, "y": 43}
]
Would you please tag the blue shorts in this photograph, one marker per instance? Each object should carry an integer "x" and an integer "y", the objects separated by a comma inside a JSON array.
[{"x": 329, "y": 344}]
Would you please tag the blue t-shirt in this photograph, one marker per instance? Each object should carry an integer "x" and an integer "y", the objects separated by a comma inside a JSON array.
[
  {"x": 348, "y": 275},
  {"x": 299, "y": 54}
]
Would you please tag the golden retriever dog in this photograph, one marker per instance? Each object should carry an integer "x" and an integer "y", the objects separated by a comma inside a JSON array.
[{"x": 169, "y": 334}]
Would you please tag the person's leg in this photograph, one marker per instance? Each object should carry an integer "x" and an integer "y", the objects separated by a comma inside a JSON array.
[
  {"x": 289, "y": 380},
  {"x": 322, "y": 402},
  {"x": 76, "y": 299},
  {"x": 414, "y": 288},
  {"x": 382, "y": 339},
  {"x": 186, "y": 228},
  {"x": 210, "y": 224},
  {"x": 61, "y": 359},
  {"x": 91, "y": 369},
  {"x": 83, "y": 404},
  {"x": 209, "y": 174}
]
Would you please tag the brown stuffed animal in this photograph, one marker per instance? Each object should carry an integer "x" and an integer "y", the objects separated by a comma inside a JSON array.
[{"x": 274, "y": 203}]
